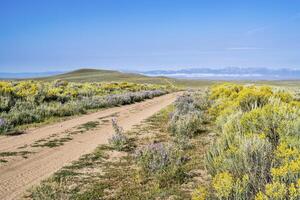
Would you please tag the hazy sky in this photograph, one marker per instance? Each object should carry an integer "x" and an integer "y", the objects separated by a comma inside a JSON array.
[{"x": 47, "y": 35}]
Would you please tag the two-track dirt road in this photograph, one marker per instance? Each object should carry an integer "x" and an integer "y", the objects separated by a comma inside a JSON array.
[{"x": 18, "y": 173}]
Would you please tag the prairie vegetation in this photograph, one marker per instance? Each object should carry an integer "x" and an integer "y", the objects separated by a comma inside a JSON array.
[
  {"x": 230, "y": 141},
  {"x": 256, "y": 154},
  {"x": 155, "y": 164},
  {"x": 27, "y": 102}
]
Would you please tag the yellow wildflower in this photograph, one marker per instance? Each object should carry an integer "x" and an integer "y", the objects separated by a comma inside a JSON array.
[
  {"x": 261, "y": 196},
  {"x": 293, "y": 192},
  {"x": 262, "y": 136},
  {"x": 223, "y": 184},
  {"x": 276, "y": 190}
]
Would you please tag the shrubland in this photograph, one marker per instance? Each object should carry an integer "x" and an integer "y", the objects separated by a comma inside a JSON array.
[
  {"x": 152, "y": 161},
  {"x": 26, "y": 102},
  {"x": 168, "y": 163},
  {"x": 257, "y": 152},
  {"x": 162, "y": 163}
]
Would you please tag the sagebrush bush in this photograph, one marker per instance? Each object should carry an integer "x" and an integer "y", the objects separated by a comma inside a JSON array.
[
  {"x": 184, "y": 104},
  {"x": 187, "y": 118},
  {"x": 257, "y": 153},
  {"x": 163, "y": 161},
  {"x": 182, "y": 142},
  {"x": 202, "y": 99},
  {"x": 32, "y": 101},
  {"x": 187, "y": 125},
  {"x": 5, "y": 103},
  {"x": 154, "y": 158}
]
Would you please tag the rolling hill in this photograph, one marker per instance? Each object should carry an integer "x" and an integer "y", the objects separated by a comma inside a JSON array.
[
  {"x": 83, "y": 75},
  {"x": 101, "y": 75}
]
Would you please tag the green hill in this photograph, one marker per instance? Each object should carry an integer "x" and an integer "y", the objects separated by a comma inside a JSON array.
[
  {"x": 84, "y": 75},
  {"x": 90, "y": 75}
]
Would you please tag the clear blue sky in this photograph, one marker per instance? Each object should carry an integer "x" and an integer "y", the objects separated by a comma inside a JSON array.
[{"x": 47, "y": 35}]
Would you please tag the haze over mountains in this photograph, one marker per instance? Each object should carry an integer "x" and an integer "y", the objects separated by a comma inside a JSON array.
[{"x": 228, "y": 73}]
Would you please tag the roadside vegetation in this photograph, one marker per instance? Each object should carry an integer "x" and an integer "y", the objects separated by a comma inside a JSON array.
[
  {"x": 155, "y": 160},
  {"x": 27, "y": 102},
  {"x": 257, "y": 151},
  {"x": 230, "y": 141}
]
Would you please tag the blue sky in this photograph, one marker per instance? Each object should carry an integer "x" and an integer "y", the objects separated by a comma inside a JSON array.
[{"x": 50, "y": 35}]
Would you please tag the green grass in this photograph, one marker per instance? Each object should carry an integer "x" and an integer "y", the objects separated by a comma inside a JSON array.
[
  {"x": 89, "y": 125},
  {"x": 23, "y": 154},
  {"x": 52, "y": 142}
]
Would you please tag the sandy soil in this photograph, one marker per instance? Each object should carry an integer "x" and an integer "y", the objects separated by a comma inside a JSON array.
[{"x": 19, "y": 174}]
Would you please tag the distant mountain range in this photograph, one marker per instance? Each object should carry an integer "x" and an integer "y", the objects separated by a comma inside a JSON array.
[{"x": 229, "y": 73}]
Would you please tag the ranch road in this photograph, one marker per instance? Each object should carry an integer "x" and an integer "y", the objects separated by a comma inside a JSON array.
[{"x": 20, "y": 173}]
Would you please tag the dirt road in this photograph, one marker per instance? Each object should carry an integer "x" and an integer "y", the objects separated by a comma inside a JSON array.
[{"x": 29, "y": 158}]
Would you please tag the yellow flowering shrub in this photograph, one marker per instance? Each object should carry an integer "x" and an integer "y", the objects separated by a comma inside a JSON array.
[
  {"x": 284, "y": 96},
  {"x": 223, "y": 184},
  {"x": 285, "y": 152},
  {"x": 272, "y": 120},
  {"x": 54, "y": 92},
  {"x": 253, "y": 97},
  {"x": 287, "y": 163},
  {"x": 26, "y": 89},
  {"x": 6, "y": 88},
  {"x": 295, "y": 103},
  {"x": 226, "y": 90},
  {"x": 24, "y": 102},
  {"x": 259, "y": 142},
  {"x": 245, "y": 98},
  {"x": 276, "y": 191},
  {"x": 294, "y": 190},
  {"x": 261, "y": 196}
]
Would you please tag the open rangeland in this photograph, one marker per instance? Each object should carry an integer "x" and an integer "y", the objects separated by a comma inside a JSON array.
[
  {"x": 231, "y": 141},
  {"x": 122, "y": 140},
  {"x": 32, "y": 157}
]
